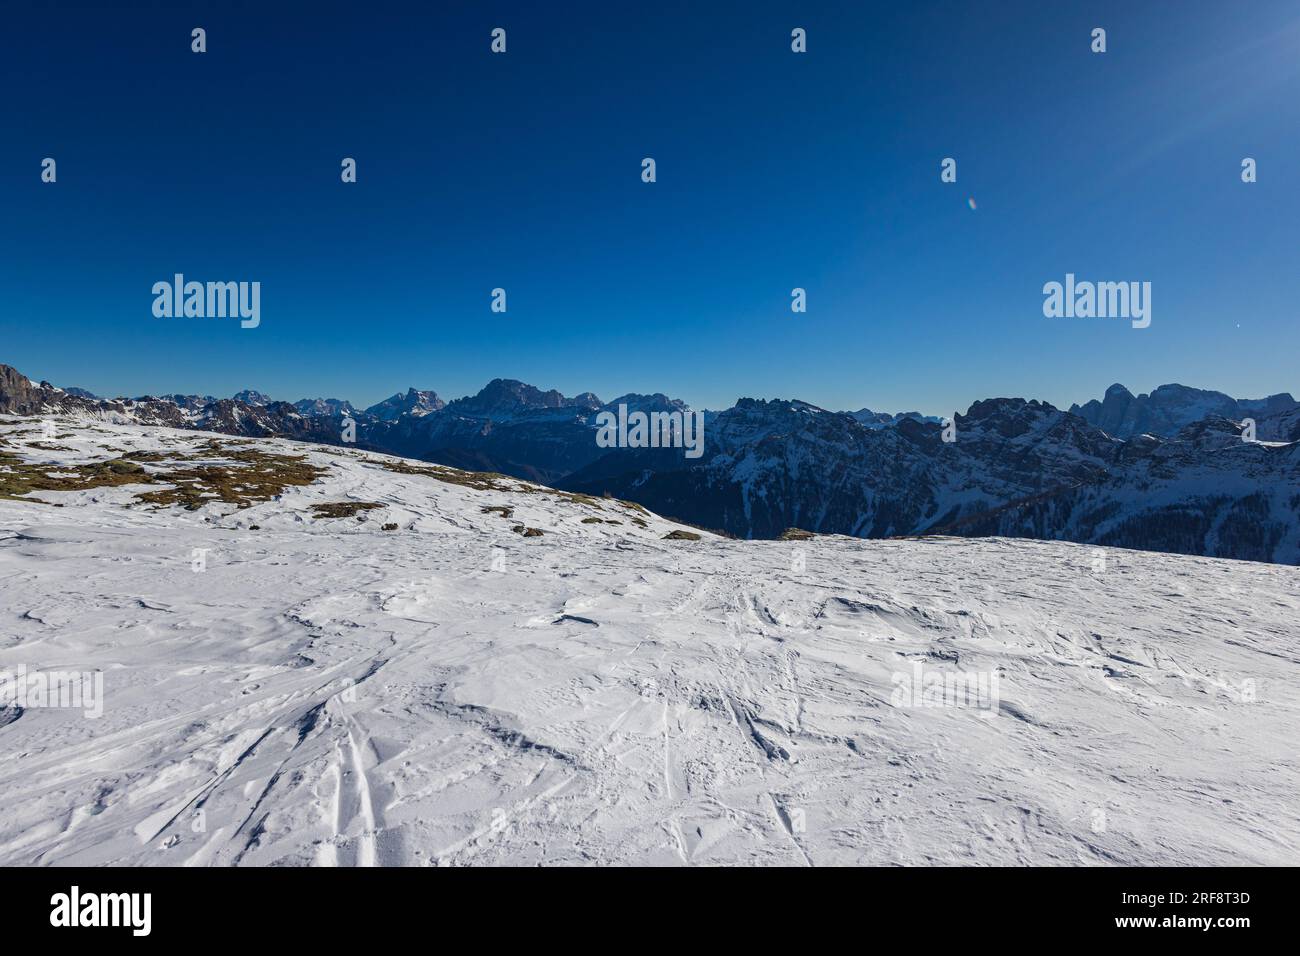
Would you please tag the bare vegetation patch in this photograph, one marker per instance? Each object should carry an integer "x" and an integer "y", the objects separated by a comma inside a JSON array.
[
  {"x": 478, "y": 480},
  {"x": 44, "y": 447},
  {"x": 491, "y": 481},
  {"x": 248, "y": 477},
  {"x": 343, "y": 509},
  {"x": 148, "y": 456},
  {"x": 19, "y": 478},
  {"x": 262, "y": 477}
]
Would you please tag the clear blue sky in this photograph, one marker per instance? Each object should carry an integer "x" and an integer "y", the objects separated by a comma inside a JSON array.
[{"x": 775, "y": 170}]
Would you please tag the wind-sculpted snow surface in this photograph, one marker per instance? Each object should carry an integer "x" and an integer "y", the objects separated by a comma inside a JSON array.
[{"x": 290, "y": 683}]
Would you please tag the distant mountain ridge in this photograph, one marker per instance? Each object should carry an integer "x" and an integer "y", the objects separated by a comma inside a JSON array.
[
  {"x": 1170, "y": 408},
  {"x": 883, "y": 419},
  {"x": 412, "y": 403},
  {"x": 1134, "y": 472}
]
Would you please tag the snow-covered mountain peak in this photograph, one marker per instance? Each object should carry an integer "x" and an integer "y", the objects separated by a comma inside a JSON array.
[{"x": 413, "y": 402}]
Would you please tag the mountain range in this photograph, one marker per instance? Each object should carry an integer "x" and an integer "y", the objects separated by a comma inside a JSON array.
[
  {"x": 1170, "y": 408},
  {"x": 1170, "y": 471}
]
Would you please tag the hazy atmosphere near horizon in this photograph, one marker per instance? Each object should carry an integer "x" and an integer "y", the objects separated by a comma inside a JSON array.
[{"x": 773, "y": 172}]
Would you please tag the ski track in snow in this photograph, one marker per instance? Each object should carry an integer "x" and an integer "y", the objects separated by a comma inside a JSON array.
[{"x": 328, "y": 693}]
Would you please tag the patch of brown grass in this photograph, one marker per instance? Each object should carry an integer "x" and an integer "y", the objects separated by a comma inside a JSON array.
[
  {"x": 478, "y": 480},
  {"x": 149, "y": 456},
  {"x": 261, "y": 477},
  {"x": 491, "y": 481},
  {"x": 343, "y": 509},
  {"x": 19, "y": 478}
]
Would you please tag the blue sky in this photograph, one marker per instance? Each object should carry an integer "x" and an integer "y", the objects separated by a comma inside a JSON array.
[{"x": 775, "y": 170}]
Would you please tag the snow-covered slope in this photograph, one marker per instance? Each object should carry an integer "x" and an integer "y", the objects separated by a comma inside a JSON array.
[{"x": 456, "y": 691}]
